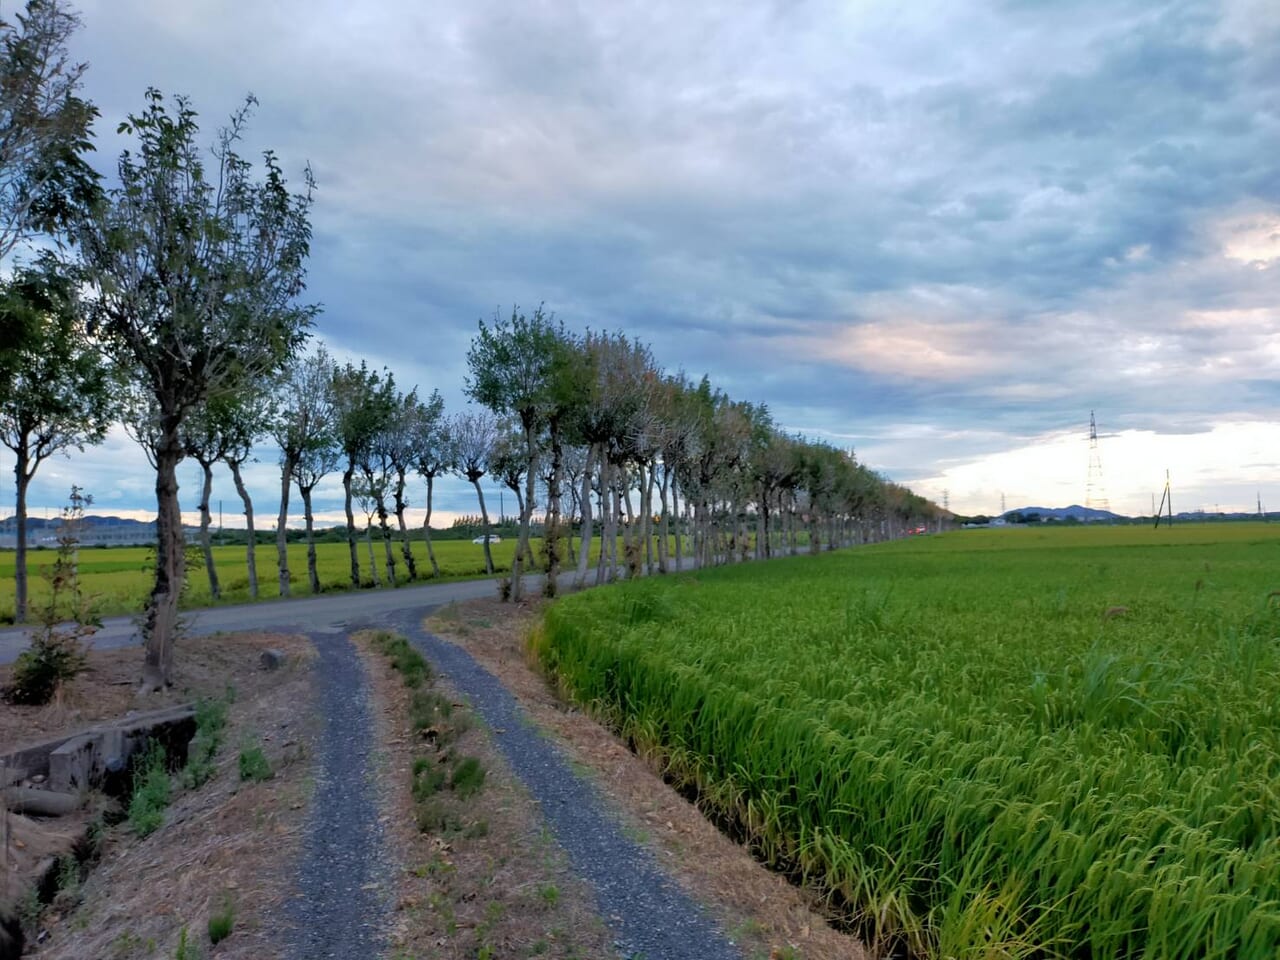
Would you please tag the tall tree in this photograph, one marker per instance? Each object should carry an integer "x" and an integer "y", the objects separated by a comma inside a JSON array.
[
  {"x": 60, "y": 395},
  {"x": 45, "y": 183},
  {"x": 514, "y": 367},
  {"x": 363, "y": 402},
  {"x": 414, "y": 418},
  {"x": 196, "y": 277},
  {"x": 474, "y": 436},
  {"x": 205, "y": 439},
  {"x": 302, "y": 417},
  {"x": 435, "y": 454},
  {"x": 248, "y": 418},
  {"x": 318, "y": 458}
]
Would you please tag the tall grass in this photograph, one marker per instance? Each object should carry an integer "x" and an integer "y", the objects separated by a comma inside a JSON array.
[{"x": 948, "y": 737}]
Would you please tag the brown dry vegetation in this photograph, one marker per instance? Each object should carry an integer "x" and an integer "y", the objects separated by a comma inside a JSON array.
[
  {"x": 764, "y": 913},
  {"x": 491, "y": 881},
  {"x": 224, "y": 842}
]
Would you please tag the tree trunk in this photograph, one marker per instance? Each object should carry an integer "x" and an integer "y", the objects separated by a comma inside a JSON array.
[
  {"x": 313, "y": 574},
  {"x": 206, "y": 546},
  {"x": 646, "y": 507},
  {"x": 484, "y": 517},
  {"x": 160, "y": 622},
  {"x": 23, "y": 477},
  {"x": 426, "y": 528},
  {"x": 351, "y": 524},
  {"x": 585, "y": 534},
  {"x": 385, "y": 529},
  {"x": 282, "y": 526},
  {"x": 608, "y": 522},
  {"x": 410, "y": 562},
  {"x": 551, "y": 533},
  {"x": 251, "y": 555},
  {"x": 368, "y": 539},
  {"x": 526, "y": 514}
]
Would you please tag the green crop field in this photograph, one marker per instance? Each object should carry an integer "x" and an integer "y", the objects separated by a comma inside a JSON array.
[
  {"x": 119, "y": 578},
  {"x": 1027, "y": 742}
]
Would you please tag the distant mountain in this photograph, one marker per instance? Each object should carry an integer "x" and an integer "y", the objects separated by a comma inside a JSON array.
[
  {"x": 40, "y": 523},
  {"x": 1073, "y": 512}
]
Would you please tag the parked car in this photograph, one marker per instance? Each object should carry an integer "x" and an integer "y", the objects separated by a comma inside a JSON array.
[{"x": 493, "y": 538}]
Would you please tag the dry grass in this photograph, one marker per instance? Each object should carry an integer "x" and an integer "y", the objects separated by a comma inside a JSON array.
[
  {"x": 765, "y": 914},
  {"x": 225, "y": 841}
]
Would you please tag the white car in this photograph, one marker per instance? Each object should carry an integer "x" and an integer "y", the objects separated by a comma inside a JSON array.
[{"x": 493, "y": 538}]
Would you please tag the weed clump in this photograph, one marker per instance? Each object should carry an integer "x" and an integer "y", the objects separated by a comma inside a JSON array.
[
  {"x": 254, "y": 765},
  {"x": 222, "y": 921},
  {"x": 152, "y": 790}
]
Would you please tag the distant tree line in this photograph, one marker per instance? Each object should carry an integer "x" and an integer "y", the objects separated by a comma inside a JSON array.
[{"x": 173, "y": 302}]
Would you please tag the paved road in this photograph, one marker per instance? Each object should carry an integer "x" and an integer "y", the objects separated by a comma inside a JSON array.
[{"x": 298, "y": 614}]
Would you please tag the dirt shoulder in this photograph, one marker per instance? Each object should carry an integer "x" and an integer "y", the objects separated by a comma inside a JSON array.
[
  {"x": 229, "y": 845},
  {"x": 477, "y": 875},
  {"x": 765, "y": 914}
]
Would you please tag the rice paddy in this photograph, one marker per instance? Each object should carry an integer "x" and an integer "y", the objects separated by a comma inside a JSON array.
[{"x": 1032, "y": 742}]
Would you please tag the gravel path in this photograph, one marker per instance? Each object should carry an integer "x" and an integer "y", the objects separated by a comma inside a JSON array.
[
  {"x": 652, "y": 917},
  {"x": 341, "y": 905}
]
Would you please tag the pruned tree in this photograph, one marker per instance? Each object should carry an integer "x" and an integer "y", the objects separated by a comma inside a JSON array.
[
  {"x": 435, "y": 454},
  {"x": 45, "y": 127},
  {"x": 318, "y": 458},
  {"x": 247, "y": 421},
  {"x": 204, "y": 439},
  {"x": 60, "y": 396},
  {"x": 412, "y": 422},
  {"x": 196, "y": 277},
  {"x": 515, "y": 369},
  {"x": 474, "y": 435},
  {"x": 302, "y": 419},
  {"x": 363, "y": 401}
]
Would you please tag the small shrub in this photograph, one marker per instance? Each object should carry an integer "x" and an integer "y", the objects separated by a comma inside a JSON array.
[
  {"x": 254, "y": 765},
  {"x": 57, "y": 650},
  {"x": 468, "y": 777},
  {"x": 151, "y": 791},
  {"x": 222, "y": 921},
  {"x": 50, "y": 661}
]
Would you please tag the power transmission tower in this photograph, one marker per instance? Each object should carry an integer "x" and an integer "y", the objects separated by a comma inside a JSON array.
[
  {"x": 1095, "y": 495},
  {"x": 1166, "y": 501},
  {"x": 1003, "y": 509}
]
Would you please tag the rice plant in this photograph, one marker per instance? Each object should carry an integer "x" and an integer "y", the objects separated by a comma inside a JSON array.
[{"x": 953, "y": 739}]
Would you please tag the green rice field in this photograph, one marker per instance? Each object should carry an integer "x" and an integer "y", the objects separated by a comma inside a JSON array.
[
  {"x": 1042, "y": 742},
  {"x": 119, "y": 578}
]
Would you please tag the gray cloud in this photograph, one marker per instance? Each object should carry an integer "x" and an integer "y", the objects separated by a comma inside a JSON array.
[{"x": 973, "y": 221}]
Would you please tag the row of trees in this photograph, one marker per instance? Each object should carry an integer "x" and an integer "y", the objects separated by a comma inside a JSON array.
[
  {"x": 162, "y": 298},
  {"x": 172, "y": 301}
]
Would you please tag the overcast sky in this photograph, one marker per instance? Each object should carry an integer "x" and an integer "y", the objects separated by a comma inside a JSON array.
[{"x": 938, "y": 233}]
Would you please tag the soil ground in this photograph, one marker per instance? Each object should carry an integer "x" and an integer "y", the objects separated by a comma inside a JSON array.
[
  {"x": 226, "y": 843},
  {"x": 768, "y": 916}
]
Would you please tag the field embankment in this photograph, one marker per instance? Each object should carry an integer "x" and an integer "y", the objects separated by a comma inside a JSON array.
[{"x": 995, "y": 743}]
